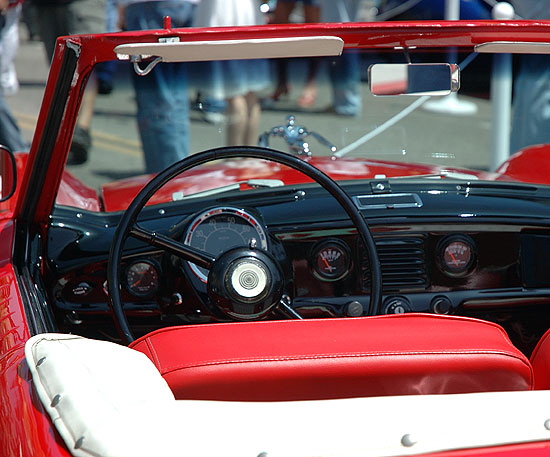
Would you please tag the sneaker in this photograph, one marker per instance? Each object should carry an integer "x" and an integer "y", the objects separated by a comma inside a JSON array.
[
  {"x": 104, "y": 87},
  {"x": 79, "y": 147},
  {"x": 213, "y": 117}
]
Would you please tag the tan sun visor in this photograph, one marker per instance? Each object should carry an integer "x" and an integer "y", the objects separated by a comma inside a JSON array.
[
  {"x": 195, "y": 51},
  {"x": 513, "y": 47}
]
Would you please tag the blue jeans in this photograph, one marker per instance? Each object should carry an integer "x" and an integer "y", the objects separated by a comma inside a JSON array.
[
  {"x": 531, "y": 116},
  {"x": 162, "y": 96},
  {"x": 345, "y": 75},
  {"x": 10, "y": 135}
]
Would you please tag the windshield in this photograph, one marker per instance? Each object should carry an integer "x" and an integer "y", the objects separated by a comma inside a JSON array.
[{"x": 320, "y": 107}]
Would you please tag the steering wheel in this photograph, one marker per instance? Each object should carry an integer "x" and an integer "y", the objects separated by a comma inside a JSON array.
[{"x": 245, "y": 282}]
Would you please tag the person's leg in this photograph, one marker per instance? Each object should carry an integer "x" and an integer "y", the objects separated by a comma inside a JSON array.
[
  {"x": 163, "y": 115},
  {"x": 52, "y": 21},
  {"x": 9, "y": 48},
  {"x": 10, "y": 135},
  {"x": 346, "y": 79},
  {"x": 237, "y": 119},
  {"x": 29, "y": 18},
  {"x": 309, "y": 92},
  {"x": 105, "y": 70},
  {"x": 531, "y": 115},
  {"x": 82, "y": 140},
  {"x": 312, "y": 13},
  {"x": 254, "y": 113},
  {"x": 281, "y": 16},
  {"x": 85, "y": 17},
  {"x": 162, "y": 96}
]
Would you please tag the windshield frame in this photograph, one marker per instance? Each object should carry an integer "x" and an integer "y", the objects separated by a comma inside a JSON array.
[{"x": 75, "y": 57}]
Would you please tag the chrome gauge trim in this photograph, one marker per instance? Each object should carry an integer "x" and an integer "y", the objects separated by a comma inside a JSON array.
[
  {"x": 141, "y": 278},
  {"x": 456, "y": 255},
  {"x": 330, "y": 260},
  {"x": 198, "y": 238}
]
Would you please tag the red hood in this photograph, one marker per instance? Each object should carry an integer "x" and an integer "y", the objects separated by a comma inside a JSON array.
[{"x": 117, "y": 195}]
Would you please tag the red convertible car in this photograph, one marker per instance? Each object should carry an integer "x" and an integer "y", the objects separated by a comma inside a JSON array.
[{"x": 368, "y": 278}]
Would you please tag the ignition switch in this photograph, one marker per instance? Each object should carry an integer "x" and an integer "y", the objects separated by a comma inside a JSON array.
[{"x": 397, "y": 305}]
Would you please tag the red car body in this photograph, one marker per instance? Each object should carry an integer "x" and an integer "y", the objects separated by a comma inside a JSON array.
[{"x": 26, "y": 429}]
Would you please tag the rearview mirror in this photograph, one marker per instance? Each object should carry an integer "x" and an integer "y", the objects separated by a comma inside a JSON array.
[
  {"x": 8, "y": 174},
  {"x": 414, "y": 79}
]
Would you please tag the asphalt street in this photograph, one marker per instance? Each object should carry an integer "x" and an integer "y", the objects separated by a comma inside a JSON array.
[{"x": 116, "y": 151}]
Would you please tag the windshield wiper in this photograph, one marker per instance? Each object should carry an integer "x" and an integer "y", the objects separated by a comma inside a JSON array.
[{"x": 251, "y": 183}]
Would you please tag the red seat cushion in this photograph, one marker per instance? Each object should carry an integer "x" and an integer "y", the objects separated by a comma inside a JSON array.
[
  {"x": 335, "y": 358},
  {"x": 540, "y": 360}
]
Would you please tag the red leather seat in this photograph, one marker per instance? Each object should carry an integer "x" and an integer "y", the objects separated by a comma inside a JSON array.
[
  {"x": 540, "y": 360},
  {"x": 335, "y": 358}
]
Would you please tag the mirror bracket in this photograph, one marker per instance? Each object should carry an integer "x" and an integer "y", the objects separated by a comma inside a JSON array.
[
  {"x": 405, "y": 50},
  {"x": 144, "y": 71}
]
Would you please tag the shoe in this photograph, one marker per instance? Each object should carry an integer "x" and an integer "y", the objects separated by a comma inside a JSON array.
[
  {"x": 308, "y": 97},
  {"x": 340, "y": 112},
  {"x": 280, "y": 92},
  {"x": 104, "y": 87},
  {"x": 213, "y": 117},
  {"x": 79, "y": 147}
]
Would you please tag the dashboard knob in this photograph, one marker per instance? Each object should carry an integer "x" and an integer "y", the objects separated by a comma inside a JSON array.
[
  {"x": 354, "y": 309},
  {"x": 441, "y": 305}
]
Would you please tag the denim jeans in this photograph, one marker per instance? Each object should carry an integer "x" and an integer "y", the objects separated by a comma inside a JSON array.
[
  {"x": 10, "y": 135},
  {"x": 346, "y": 84},
  {"x": 162, "y": 96},
  {"x": 531, "y": 115}
]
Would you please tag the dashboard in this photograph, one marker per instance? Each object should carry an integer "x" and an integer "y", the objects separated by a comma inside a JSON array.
[{"x": 481, "y": 254}]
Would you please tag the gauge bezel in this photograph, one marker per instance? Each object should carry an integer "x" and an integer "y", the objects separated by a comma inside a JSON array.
[
  {"x": 456, "y": 271},
  {"x": 342, "y": 247},
  {"x": 133, "y": 291},
  {"x": 203, "y": 217}
]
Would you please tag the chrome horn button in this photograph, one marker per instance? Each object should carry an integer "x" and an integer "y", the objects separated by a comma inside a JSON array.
[
  {"x": 248, "y": 279},
  {"x": 245, "y": 283}
]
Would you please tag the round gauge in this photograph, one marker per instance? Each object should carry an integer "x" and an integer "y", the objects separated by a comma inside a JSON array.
[
  {"x": 331, "y": 260},
  {"x": 456, "y": 255},
  {"x": 142, "y": 278},
  {"x": 217, "y": 230}
]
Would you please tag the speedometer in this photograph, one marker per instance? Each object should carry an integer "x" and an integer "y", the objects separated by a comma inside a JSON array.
[{"x": 220, "y": 229}]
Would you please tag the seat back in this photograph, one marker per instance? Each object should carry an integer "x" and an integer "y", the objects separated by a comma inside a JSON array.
[
  {"x": 540, "y": 360},
  {"x": 337, "y": 358}
]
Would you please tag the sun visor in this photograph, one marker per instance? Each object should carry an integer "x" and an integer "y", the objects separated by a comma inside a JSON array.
[
  {"x": 513, "y": 47},
  {"x": 195, "y": 51}
]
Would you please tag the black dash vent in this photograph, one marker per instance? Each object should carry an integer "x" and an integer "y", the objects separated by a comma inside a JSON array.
[
  {"x": 381, "y": 201},
  {"x": 403, "y": 262}
]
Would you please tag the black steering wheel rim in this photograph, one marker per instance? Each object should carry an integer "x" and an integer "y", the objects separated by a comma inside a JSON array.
[{"x": 128, "y": 219}]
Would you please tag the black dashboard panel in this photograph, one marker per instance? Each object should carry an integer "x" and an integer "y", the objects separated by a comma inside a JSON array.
[
  {"x": 535, "y": 259},
  {"x": 453, "y": 251}
]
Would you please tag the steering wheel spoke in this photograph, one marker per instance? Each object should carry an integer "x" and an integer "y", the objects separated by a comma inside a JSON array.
[
  {"x": 200, "y": 258},
  {"x": 285, "y": 305}
]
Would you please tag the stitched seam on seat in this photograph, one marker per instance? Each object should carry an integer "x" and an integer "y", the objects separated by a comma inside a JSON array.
[
  {"x": 154, "y": 354},
  {"x": 341, "y": 356},
  {"x": 417, "y": 316}
]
